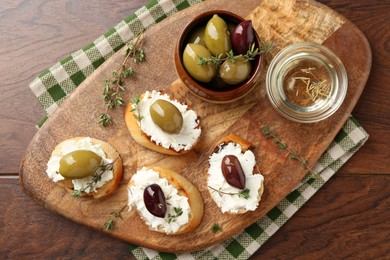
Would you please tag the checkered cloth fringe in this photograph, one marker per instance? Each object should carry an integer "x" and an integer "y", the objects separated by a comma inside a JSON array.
[{"x": 53, "y": 86}]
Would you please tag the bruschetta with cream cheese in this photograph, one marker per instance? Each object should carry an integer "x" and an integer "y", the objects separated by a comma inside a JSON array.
[
  {"x": 234, "y": 180},
  {"x": 162, "y": 124},
  {"x": 166, "y": 201},
  {"x": 85, "y": 167}
]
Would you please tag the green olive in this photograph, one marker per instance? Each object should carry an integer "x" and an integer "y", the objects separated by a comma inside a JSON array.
[
  {"x": 217, "y": 37},
  {"x": 234, "y": 72},
  {"x": 79, "y": 164},
  {"x": 197, "y": 36},
  {"x": 203, "y": 73},
  {"x": 166, "y": 116}
]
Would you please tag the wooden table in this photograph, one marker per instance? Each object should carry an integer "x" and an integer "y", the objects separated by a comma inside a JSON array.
[{"x": 348, "y": 217}]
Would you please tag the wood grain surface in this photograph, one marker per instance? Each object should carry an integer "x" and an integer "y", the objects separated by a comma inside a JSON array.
[
  {"x": 284, "y": 23},
  {"x": 364, "y": 176}
]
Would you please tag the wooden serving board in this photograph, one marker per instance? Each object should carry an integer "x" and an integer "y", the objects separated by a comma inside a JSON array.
[{"x": 283, "y": 22}]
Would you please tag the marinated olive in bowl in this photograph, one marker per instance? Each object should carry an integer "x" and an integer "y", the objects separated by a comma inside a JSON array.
[
  {"x": 235, "y": 71},
  {"x": 204, "y": 73},
  {"x": 217, "y": 56},
  {"x": 217, "y": 36},
  {"x": 197, "y": 36}
]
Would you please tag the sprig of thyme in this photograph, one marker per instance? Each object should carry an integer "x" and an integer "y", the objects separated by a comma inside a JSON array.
[
  {"x": 96, "y": 177},
  {"x": 268, "y": 133},
  {"x": 135, "y": 101},
  {"x": 178, "y": 213},
  {"x": 110, "y": 222},
  {"x": 113, "y": 86},
  {"x": 245, "y": 193},
  {"x": 251, "y": 54}
]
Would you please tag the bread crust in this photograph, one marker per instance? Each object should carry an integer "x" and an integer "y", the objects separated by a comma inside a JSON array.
[
  {"x": 110, "y": 153},
  {"x": 144, "y": 140},
  {"x": 245, "y": 145},
  {"x": 187, "y": 189}
]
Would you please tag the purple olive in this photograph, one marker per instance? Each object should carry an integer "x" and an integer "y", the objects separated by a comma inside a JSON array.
[
  {"x": 242, "y": 37},
  {"x": 154, "y": 200},
  {"x": 232, "y": 171}
]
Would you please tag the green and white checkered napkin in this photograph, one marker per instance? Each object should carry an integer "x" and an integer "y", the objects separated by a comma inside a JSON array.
[{"x": 53, "y": 85}]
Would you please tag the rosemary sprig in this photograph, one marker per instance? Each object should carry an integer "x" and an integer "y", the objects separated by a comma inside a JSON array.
[
  {"x": 110, "y": 222},
  {"x": 216, "y": 228},
  {"x": 242, "y": 194},
  {"x": 314, "y": 89},
  {"x": 268, "y": 133},
  {"x": 251, "y": 54},
  {"x": 178, "y": 213},
  {"x": 96, "y": 177},
  {"x": 113, "y": 86}
]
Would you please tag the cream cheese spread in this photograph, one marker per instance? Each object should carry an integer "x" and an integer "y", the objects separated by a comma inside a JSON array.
[
  {"x": 225, "y": 195},
  {"x": 145, "y": 177},
  {"x": 69, "y": 146},
  {"x": 188, "y": 134}
]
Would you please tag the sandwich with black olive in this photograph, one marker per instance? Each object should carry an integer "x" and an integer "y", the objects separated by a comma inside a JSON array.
[
  {"x": 234, "y": 180},
  {"x": 165, "y": 200}
]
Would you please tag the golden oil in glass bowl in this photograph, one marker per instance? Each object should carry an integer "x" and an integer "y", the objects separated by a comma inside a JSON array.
[{"x": 306, "y": 82}]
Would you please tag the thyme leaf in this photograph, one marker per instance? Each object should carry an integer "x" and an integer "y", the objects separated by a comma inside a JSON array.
[
  {"x": 244, "y": 194},
  {"x": 178, "y": 213},
  {"x": 105, "y": 119},
  {"x": 109, "y": 224},
  {"x": 216, "y": 228},
  {"x": 136, "y": 99}
]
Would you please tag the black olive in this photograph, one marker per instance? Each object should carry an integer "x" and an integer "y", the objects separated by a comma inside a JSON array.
[
  {"x": 232, "y": 171},
  {"x": 154, "y": 200}
]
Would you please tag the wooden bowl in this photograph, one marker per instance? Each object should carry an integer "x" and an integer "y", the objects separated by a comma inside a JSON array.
[{"x": 207, "y": 91}]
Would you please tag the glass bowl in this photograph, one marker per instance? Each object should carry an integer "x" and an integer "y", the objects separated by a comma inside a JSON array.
[{"x": 306, "y": 82}]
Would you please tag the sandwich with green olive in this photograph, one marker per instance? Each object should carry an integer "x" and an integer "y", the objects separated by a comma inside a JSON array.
[
  {"x": 85, "y": 167},
  {"x": 160, "y": 123}
]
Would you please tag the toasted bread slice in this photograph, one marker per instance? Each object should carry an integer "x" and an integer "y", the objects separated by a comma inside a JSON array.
[
  {"x": 245, "y": 145},
  {"x": 187, "y": 189},
  {"x": 110, "y": 153},
  {"x": 141, "y": 138}
]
